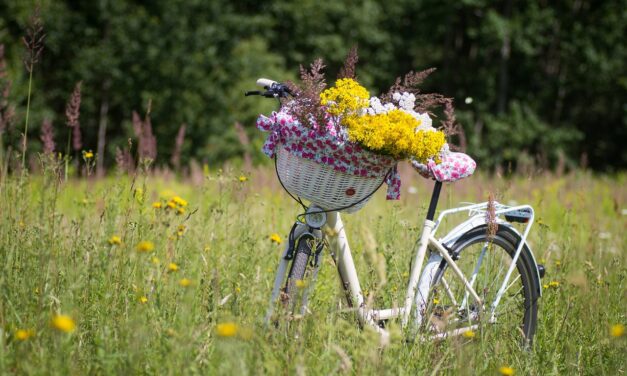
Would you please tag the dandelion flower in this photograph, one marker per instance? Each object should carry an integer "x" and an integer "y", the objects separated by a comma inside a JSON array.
[
  {"x": 185, "y": 282},
  {"x": 173, "y": 267},
  {"x": 143, "y": 299},
  {"x": 226, "y": 329},
  {"x": 617, "y": 330},
  {"x": 469, "y": 334},
  {"x": 555, "y": 284},
  {"x": 171, "y": 205},
  {"x": 243, "y": 178},
  {"x": 145, "y": 246},
  {"x": 88, "y": 154},
  {"x": 115, "y": 240},
  {"x": 24, "y": 334},
  {"x": 63, "y": 323},
  {"x": 157, "y": 205},
  {"x": 506, "y": 371},
  {"x": 275, "y": 238}
]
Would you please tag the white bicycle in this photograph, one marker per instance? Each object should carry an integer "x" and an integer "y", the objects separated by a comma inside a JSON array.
[{"x": 472, "y": 278}]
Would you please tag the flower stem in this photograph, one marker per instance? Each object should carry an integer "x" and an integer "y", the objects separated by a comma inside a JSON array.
[{"x": 30, "y": 84}]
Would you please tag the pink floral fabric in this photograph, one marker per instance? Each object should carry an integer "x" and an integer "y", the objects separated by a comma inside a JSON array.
[
  {"x": 453, "y": 167},
  {"x": 324, "y": 144}
]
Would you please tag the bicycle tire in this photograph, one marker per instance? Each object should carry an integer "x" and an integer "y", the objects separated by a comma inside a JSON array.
[
  {"x": 297, "y": 270},
  {"x": 521, "y": 302}
]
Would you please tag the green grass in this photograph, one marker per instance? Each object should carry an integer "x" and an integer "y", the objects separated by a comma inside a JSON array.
[{"x": 56, "y": 259}]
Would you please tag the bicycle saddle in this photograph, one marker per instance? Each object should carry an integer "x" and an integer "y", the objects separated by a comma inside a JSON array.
[{"x": 454, "y": 166}]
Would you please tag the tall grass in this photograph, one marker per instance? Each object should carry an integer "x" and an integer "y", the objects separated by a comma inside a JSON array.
[{"x": 136, "y": 313}]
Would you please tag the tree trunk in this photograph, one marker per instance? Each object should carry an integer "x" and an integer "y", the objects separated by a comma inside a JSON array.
[{"x": 503, "y": 66}]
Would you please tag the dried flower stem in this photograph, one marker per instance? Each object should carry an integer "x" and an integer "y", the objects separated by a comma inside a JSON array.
[{"x": 34, "y": 45}]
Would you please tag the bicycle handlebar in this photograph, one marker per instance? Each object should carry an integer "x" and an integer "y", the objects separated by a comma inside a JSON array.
[{"x": 273, "y": 89}]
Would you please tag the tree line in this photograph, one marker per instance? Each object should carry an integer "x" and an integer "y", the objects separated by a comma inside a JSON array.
[{"x": 535, "y": 83}]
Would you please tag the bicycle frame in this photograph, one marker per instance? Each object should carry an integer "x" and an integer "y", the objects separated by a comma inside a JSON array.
[{"x": 420, "y": 281}]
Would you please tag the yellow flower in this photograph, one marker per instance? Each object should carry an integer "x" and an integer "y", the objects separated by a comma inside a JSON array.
[
  {"x": 436, "y": 301},
  {"x": 300, "y": 283},
  {"x": 156, "y": 261},
  {"x": 506, "y": 371},
  {"x": 346, "y": 98},
  {"x": 115, "y": 240},
  {"x": 181, "y": 230},
  {"x": 171, "y": 205},
  {"x": 243, "y": 178},
  {"x": 180, "y": 211},
  {"x": 157, "y": 205},
  {"x": 617, "y": 330},
  {"x": 88, "y": 154},
  {"x": 185, "y": 282},
  {"x": 558, "y": 263},
  {"x": 145, "y": 246},
  {"x": 226, "y": 329},
  {"x": 393, "y": 134},
  {"x": 469, "y": 334},
  {"x": 173, "y": 267},
  {"x": 143, "y": 299},
  {"x": 24, "y": 334},
  {"x": 275, "y": 238},
  {"x": 179, "y": 201},
  {"x": 63, "y": 323},
  {"x": 555, "y": 284}
]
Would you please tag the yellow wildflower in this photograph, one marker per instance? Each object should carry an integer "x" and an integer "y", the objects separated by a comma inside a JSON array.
[
  {"x": 226, "y": 329},
  {"x": 143, "y": 299},
  {"x": 115, "y": 240},
  {"x": 173, "y": 267},
  {"x": 300, "y": 283},
  {"x": 157, "y": 205},
  {"x": 469, "y": 334},
  {"x": 185, "y": 282},
  {"x": 346, "y": 98},
  {"x": 24, "y": 334},
  {"x": 180, "y": 231},
  {"x": 436, "y": 301},
  {"x": 558, "y": 263},
  {"x": 180, "y": 211},
  {"x": 554, "y": 284},
  {"x": 156, "y": 261},
  {"x": 243, "y": 178},
  {"x": 179, "y": 201},
  {"x": 171, "y": 205},
  {"x": 506, "y": 371},
  {"x": 617, "y": 330},
  {"x": 145, "y": 246},
  {"x": 275, "y": 238},
  {"x": 63, "y": 323},
  {"x": 88, "y": 154}
]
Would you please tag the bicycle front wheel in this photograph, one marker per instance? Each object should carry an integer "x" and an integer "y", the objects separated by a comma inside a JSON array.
[{"x": 485, "y": 261}]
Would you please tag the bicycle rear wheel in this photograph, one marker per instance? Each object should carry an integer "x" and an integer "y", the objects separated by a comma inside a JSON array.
[{"x": 485, "y": 261}]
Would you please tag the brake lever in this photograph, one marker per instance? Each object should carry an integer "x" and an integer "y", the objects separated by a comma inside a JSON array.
[{"x": 254, "y": 92}]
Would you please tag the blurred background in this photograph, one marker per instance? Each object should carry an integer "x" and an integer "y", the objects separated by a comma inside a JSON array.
[{"x": 538, "y": 85}]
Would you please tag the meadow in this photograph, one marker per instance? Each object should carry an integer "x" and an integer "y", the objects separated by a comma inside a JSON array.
[{"x": 153, "y": 274}]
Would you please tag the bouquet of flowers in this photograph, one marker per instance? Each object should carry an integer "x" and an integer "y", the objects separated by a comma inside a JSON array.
[{"x": 349, "y": 131}]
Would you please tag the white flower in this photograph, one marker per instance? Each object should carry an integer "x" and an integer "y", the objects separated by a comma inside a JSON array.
[
  {"x": 425, "y": 122},
  {"x": 396, "y": 96}
]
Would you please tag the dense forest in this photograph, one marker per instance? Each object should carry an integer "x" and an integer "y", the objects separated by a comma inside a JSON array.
[{"x": 535, "y": 83}]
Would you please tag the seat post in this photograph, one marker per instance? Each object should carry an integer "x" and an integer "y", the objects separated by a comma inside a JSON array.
[{"x": 435, "y": 196}]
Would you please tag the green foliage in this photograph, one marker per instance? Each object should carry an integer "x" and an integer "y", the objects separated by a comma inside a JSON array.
[
  {"x": 559, "y": 65},
  {"x": 133, "y": 314}
]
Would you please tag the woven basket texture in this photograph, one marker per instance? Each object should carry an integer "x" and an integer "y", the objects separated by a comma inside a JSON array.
[{"x": 322, "y": 185}]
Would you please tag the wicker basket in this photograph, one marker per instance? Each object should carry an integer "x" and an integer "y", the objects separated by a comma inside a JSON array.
[{"x": 324, "y": 186}]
